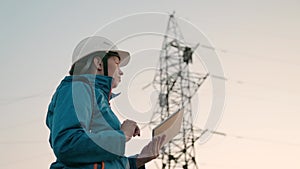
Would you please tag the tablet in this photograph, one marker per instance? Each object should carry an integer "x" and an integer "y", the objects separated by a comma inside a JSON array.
[{"x": 170, "y": 127}]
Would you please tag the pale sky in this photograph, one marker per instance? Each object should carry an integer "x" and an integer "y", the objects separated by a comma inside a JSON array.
[{"x": 259, "y": 52}]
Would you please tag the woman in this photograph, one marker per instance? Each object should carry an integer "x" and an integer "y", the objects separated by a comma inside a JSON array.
[{"x": 84, "y": 131}]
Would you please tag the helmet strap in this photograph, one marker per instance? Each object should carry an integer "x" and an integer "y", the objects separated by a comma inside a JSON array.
[
  {"x": 105, "y": 58},
  {"x": 105, "y": 66}
]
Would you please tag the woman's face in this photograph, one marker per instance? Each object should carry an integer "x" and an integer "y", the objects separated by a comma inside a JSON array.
[{"x": 114, "y": 71}]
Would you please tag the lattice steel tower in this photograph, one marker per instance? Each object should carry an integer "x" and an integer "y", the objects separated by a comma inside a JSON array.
[{"x": 177, "y": 85}]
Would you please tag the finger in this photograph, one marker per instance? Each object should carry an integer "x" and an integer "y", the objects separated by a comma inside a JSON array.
[
  {"x": 137, "y": 131},
  {"x": 156, "y": 148},
  {"x": 150, "y": 147},
  {"x": 127, "y": 121},
  {"x": 130, "y": 121},
  {"x": 162, "y": 140},
  {"x": 159, "y": 144}
]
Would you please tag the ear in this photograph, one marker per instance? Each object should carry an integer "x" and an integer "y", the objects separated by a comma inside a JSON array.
[{"x": 98, "y": 63}]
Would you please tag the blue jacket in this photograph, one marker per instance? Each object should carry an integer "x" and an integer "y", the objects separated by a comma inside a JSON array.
[{"x": 83, "y": 128}]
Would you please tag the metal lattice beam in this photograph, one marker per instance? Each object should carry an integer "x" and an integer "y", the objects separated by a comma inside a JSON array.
[{"x": 177, "y": 85}]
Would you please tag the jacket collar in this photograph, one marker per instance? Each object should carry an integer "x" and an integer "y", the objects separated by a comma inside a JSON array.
[{"x": 98, "y": 81}]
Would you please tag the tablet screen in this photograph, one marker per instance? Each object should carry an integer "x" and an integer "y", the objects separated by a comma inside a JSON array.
[{"x": 170, "y": 127}]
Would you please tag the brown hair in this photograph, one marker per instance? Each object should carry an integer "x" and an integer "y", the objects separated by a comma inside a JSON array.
[{"x": 83, "y": 66}]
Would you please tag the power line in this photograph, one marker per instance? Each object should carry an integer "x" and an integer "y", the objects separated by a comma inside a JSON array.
[
  {"x": 38, "y": 95},
  {"x": 30, "y": 122},
  {"x": 249, "y": 55},
  {"x": 24, "y": 142},
  {"x": 241, "y": 137},
  {"x": 8, "y": 101},
  {"x": 27, "y": 159}
]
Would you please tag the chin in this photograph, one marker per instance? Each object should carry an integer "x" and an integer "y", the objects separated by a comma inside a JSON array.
[{"x": 114, "y": 85}]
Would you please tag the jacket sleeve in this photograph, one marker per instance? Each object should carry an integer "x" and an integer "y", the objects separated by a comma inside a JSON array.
[
  {"x": 70, "y": 140},
  {"x": 132, "y": 163}
]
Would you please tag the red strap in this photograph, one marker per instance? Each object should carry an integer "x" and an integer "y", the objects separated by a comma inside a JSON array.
[{"x": 96, "y": 165}]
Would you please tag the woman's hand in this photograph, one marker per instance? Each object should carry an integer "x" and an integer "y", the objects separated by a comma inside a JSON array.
[
  {"x": 130, "y": 128},
  {"x": 150, "y": 151}
]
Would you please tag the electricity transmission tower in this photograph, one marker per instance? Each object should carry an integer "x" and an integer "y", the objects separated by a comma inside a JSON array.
[{"x": 177, "y": 85}]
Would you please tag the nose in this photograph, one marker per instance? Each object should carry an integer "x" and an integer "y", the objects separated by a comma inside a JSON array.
[{"x": 120, "y": 72}]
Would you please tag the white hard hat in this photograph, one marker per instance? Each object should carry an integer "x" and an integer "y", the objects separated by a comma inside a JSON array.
[{"x": 93, "y": 44}]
